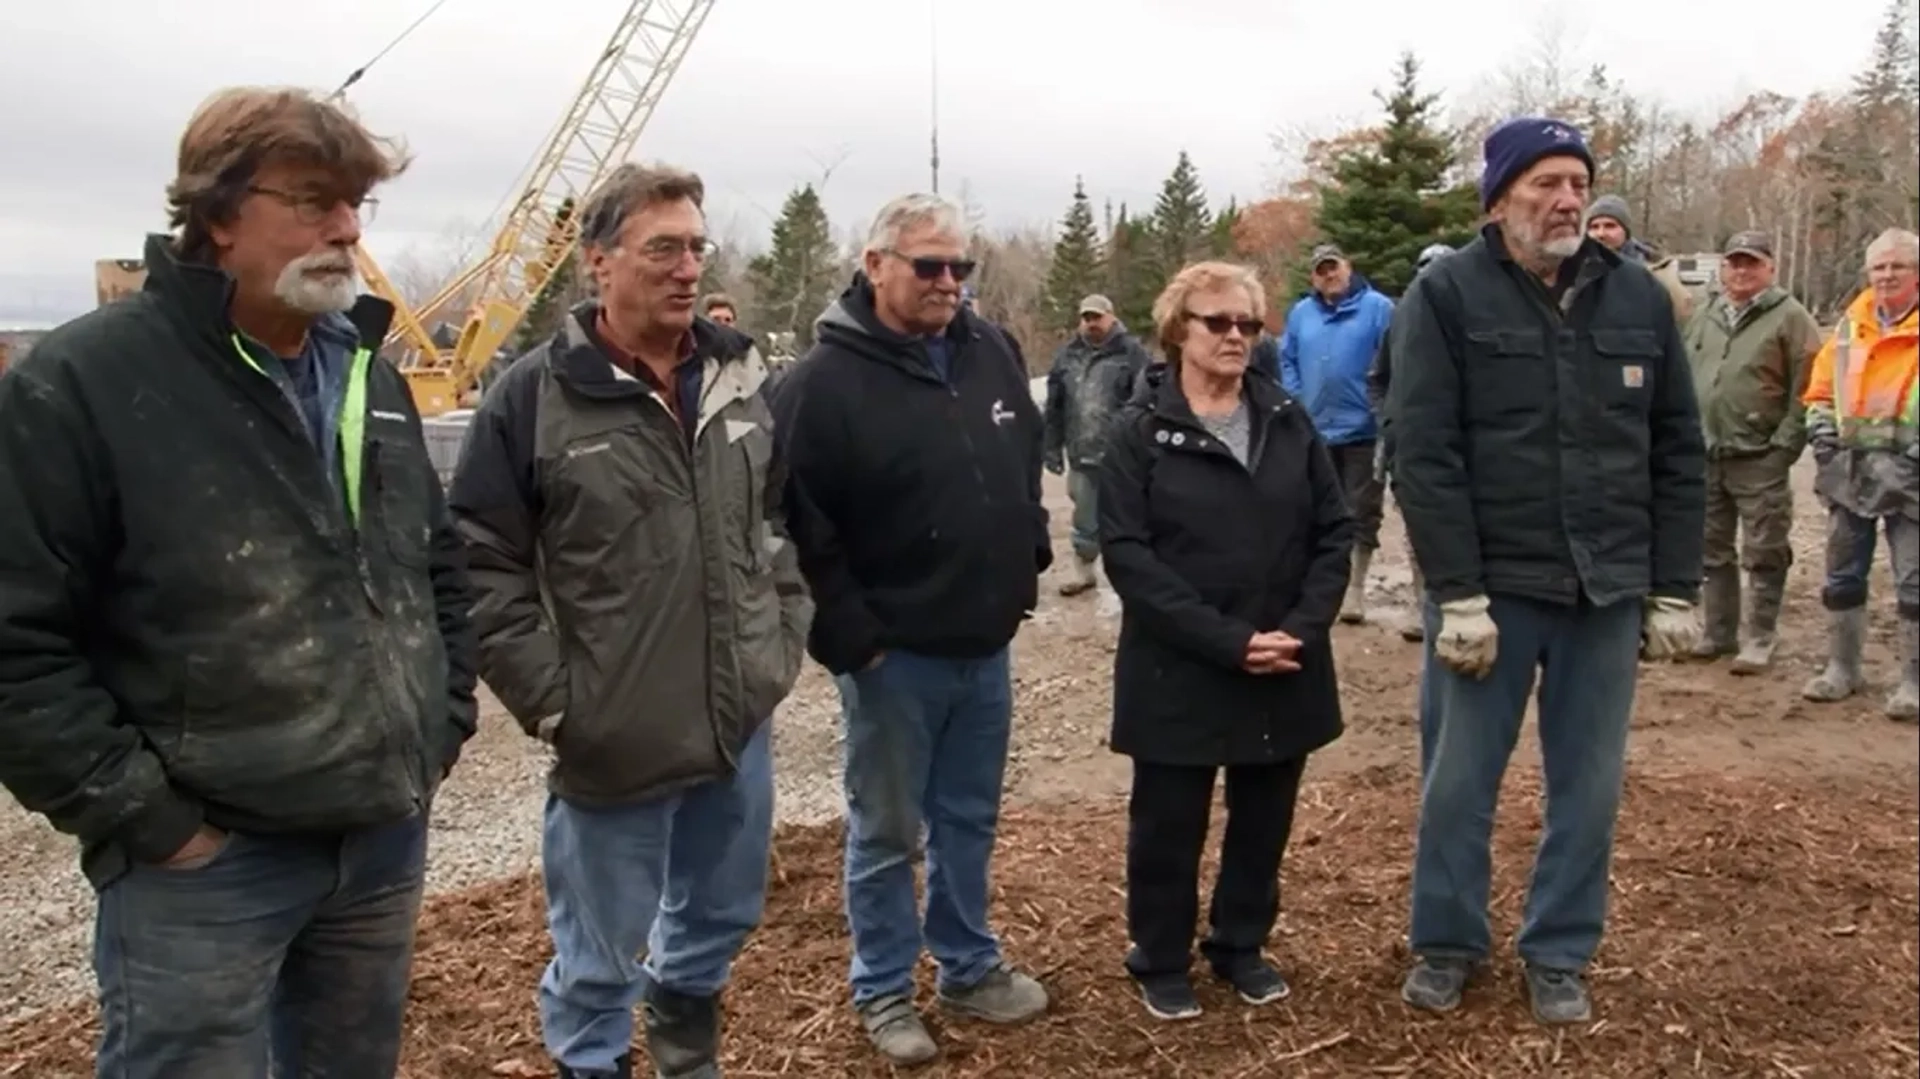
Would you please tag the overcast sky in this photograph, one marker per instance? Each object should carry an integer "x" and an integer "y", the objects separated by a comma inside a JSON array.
[{"x": 1032, "y": 93}]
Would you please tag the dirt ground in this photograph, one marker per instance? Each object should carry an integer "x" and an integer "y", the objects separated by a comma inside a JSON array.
[{"x": 1764, "y": 918}]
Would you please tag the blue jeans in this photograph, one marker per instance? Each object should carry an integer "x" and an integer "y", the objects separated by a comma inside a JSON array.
[
  {"x": 1851, "y": 541},
  {"x": 1588, "y": 660},
  {"x": 661, "y": 893},
  {"x": 926, "y": 745},
  {"x": 1084, "y": 490},
  {"x": 297, "y": 948},
  {"x": 1427, "y": 708}
]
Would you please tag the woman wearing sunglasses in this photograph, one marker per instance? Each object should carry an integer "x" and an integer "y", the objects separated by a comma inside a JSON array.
[{"x": 1226, "y": 536}]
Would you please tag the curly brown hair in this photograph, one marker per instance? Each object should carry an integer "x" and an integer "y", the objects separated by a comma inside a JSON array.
[{"x": 239, "y": 129}]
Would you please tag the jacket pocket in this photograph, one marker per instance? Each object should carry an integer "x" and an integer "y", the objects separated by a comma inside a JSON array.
[
  {"x": 1622, "y": 375},
  {"x": 394, "y": 502},
  {"x": 1506, "y": 373}
]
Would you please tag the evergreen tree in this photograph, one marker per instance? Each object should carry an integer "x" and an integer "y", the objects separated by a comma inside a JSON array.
[
  {"x": 559, "y": 291},
  {"x": 1132, "y": 282},
  {"x": 1182, "y": 227},
  {"x": 794, "y": 281},
  {"x": 1387, "y": 200},
  {"x": 1220, "y": 237},
  {"x": 1076, "y": 268}
]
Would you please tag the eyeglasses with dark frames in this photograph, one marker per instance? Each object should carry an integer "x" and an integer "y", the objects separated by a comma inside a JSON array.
[
  {"x": 930, "y": 269},
  {"x": 1218, "y": 325}
]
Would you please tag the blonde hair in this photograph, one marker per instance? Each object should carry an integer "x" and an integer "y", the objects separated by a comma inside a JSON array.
[
  {"x": 241, "y": 128},
  {"x": 1170, "y": 309}
]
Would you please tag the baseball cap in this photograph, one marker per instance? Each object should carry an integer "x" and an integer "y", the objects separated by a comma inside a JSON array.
[
  {"x": 1751, "y": 242},
  {"x": 1096, "y": 304},
  {"x": 1327, "y": 253}
]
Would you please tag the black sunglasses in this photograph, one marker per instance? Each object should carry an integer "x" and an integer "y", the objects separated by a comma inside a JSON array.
[
  {"x": 1220, "y": 324},
  {"x": 930, "y": 269}
]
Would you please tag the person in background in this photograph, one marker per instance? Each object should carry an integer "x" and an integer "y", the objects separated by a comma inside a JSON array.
[
  {"x": 1548, "y": 461},
  {"x": 1751, "y": 346},
  {"x": 915, "y": 449},
  {"x": 1092, "y": 375},
  {"x": 641, "y": 612},
  {"x": 719, "y": 309},
  {"x": 1329, "y": 342},
  {"x": 1379, "y": 376},
  {"x": 1227, "y": 537},
  {"x": 235, "y": 656},
  {"x": 1609, "y": 222},
  {"x": 1863, "y": 418}
]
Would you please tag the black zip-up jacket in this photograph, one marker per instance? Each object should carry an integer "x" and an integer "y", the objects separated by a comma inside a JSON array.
[
  {"x": 914, "y": 502},
  {"x": 1546, "y": 443},
  {"x": 1205, "y": 552},
  {"x": 196, "y": 623}
]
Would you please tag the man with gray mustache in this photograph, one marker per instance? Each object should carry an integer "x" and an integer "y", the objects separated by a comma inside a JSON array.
[
  {"x": 1549, "y": 465},
  {"x": 235, "y": 655}
]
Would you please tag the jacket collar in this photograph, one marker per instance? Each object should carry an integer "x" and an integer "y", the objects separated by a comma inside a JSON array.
[{"x": 201, "y": 297}]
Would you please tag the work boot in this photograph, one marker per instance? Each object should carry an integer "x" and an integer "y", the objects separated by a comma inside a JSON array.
[
  {"x": 1904, "y": 701},
  {"x": 1558, "y": 996},
  {"x": 1720, "y": 597},
  {"x": 1845, "y": 632},
  {"x": 622, "y": 1069},
  {"x": 1082, "y": 580},
  {"x": 683, "y": 1034},
  {"x": 1765, "y": 589},
  {"x": 896, "y": 1031},
  {"x": 1353, "y": 609}
]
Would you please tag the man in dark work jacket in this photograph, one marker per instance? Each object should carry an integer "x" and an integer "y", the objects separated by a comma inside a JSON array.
[{"x": 1548, "y": 461}]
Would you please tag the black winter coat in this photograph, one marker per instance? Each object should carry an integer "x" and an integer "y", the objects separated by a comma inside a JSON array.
[
  {"x": 1546, "y": 444},
  {"x": 1204, "y": 553}
]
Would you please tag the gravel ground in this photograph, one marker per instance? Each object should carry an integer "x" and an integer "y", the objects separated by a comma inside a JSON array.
[{"x": 486, "y": 822}]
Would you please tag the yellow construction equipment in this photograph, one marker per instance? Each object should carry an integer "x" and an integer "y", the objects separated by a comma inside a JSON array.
[{"x": 596, "y": 134}]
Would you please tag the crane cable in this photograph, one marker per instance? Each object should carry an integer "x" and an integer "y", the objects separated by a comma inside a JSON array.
[{"x": 362, "y": 69}]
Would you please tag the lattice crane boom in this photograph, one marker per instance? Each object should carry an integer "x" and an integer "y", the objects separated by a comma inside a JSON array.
[{"x": 595, "y": 135}]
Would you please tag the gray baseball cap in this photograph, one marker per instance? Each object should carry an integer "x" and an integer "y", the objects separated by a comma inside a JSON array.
[{"x": 1750, "y": 242}]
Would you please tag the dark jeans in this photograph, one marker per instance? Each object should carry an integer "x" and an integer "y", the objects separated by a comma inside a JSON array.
[
  {"x": 1851, "y": 541},
  {"x": 1167, "y": 819},
  {"x": 298, "y": 947},
  {"x": 1365, "y": 493}
]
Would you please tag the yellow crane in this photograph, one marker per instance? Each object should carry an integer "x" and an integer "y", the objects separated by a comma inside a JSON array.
[{"x": 595, "y": 135}]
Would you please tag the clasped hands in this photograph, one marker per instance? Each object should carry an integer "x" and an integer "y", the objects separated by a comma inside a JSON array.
[{"x": 1272, "y": 652}]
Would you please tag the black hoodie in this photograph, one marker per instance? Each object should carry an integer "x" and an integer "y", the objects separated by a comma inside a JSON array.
[{"x": 914, "y": 502}]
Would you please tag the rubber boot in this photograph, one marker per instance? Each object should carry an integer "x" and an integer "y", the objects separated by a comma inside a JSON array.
[
  {"x": 1414, "y": 629},
  {"x": 683, "y": 1034},
  {"x": 1845, "y": 632},
  {"x": 1765, "y": 590},
  {"x": 1720, "y": 598},
  {"x": 1904, "y": 702},
  {"x": 1353, "y": 609},
  {"x": 1082, "y": 579}
]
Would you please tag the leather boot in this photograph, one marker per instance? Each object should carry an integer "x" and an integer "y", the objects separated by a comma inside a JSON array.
[
  {"x": 1904, "y": 701},
  {"x": 683, "y": 1034},
  {"x": 1354, "y": 609},
  {"x": 1720, "y": 598},
  {"x": 1765, "y": 590},
  {"x": 1082, "y": 579},
  {"x": 1846, "y": 630}
]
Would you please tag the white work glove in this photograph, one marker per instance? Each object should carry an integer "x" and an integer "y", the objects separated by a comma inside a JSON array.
[
  {"x": 1671, "y": 628},
  {"x": 1468, "y": 640}
]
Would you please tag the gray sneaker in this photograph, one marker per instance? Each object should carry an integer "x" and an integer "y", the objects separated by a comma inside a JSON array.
[
  {"x": 1559, "y": 996},
  {"x": 1435, "y": 983},
  {"x": 1004, "y": 996},
  {"x": 896, "y": 1031}
]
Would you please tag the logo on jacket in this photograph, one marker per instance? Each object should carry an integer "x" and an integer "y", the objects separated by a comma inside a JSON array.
[
  {"x": 1001, "y": 414},
  {"x": 1633, "y": 376}
]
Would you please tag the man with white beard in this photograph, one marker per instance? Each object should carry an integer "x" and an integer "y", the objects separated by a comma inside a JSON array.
[
  {"x": 1549, "y": 465},
  {"x": 235, "y": 656}
]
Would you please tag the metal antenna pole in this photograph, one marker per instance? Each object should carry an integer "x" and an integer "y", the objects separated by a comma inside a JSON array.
[{"x": 933, "y": 22}]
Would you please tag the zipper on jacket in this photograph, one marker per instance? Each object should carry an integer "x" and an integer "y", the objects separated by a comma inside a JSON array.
[{"x": 689, "y": 455}]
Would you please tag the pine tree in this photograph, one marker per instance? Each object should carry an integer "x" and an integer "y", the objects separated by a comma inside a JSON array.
[
  {"x": 795, "y": 279},
  {"x": 1132, "y": 282},
  {"x": 1389, "y": 199},
  {"x": 1181, "y": 224},
  {"x": 1076, "y": 267},
  {"x": 1220, "y": 240},
  {"x": 559, "y": 291}
]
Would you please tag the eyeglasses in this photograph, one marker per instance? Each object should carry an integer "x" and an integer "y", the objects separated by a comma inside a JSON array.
[
  {"x": 312, "y": 207},
  {"x": 1218, "y": 325},
  {"x": 930, "y": 269},
  {"x": 670, "y": 249}
]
